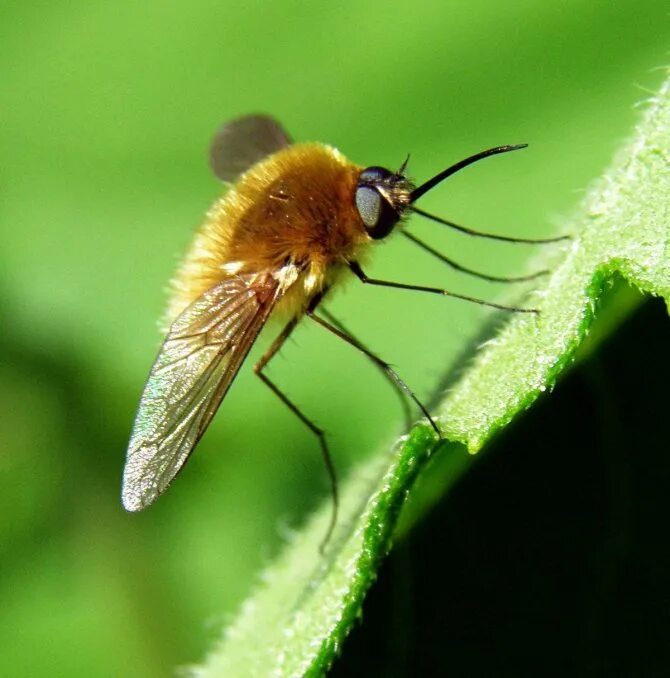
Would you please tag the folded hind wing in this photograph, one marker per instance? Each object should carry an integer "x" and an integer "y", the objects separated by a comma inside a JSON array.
[{"x": 241, "y": 143}]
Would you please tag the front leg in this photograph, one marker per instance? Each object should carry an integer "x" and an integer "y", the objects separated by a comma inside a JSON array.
[{"x": 360, "y": 274}]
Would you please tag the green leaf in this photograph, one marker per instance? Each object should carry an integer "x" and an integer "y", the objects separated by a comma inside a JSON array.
[{"x": 295, "y": 622}]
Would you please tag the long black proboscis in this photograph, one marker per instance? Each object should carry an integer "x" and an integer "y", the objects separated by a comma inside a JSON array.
[
  {"x": 431, "y": 183},
  {"x": 480, "y": 234}
]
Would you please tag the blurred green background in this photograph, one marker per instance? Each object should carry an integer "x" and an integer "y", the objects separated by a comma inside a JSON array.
[{"x": 106, "y": 114}]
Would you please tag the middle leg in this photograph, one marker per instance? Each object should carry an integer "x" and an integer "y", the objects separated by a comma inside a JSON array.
[
  {"x": 392, "y": 374},
  {"x": 402, "y": 395},
  {"x": 318, "y": 432}
]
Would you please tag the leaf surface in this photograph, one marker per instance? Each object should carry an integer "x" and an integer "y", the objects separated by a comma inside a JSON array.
[{"x": 304, "y": 606}]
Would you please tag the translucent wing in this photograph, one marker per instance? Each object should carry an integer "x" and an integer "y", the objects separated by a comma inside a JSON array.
[
  {"x": 198, "y": 361},
  {"x": 241, "y": 143}
]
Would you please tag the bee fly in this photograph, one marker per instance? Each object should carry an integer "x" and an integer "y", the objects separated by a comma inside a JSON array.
[{"x": 294, "y": 220}]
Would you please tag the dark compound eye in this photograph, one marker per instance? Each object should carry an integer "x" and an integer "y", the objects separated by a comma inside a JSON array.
[
  {"x": 373, "y": 204},
  {"x": 369, "y": 204}
]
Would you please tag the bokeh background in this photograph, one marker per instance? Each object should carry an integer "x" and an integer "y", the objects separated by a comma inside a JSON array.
[{"x": 106, "y": 111}]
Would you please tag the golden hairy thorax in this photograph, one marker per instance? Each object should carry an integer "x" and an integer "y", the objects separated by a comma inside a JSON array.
[{"x": 295, "y": 207}]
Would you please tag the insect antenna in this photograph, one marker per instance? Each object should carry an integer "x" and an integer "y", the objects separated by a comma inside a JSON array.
[{"x": 403, "y": 167}]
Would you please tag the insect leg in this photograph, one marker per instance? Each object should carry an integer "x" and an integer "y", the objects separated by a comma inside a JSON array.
[
  {"x": 358, "y": 272},
  {"x": 491, "y": 236},
  {"x": 378, "y": 361},
  {"x": 318, "y": 432},
  {"x": 401, "y": 393},
  {"x": 458, "y": 267}
]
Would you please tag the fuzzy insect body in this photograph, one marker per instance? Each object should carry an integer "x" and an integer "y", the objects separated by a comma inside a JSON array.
[
  {"x": 294, "y": 218},
  {"x": 290, "y": 216}
]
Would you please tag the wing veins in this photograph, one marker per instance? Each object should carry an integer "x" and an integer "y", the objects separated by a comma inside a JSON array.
[
  {"x": 193, "y": 395},
  {"x": 183, "y": 393},
  {"x": 195, "y": 391},
  {"x": 215, "y": 320}
]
